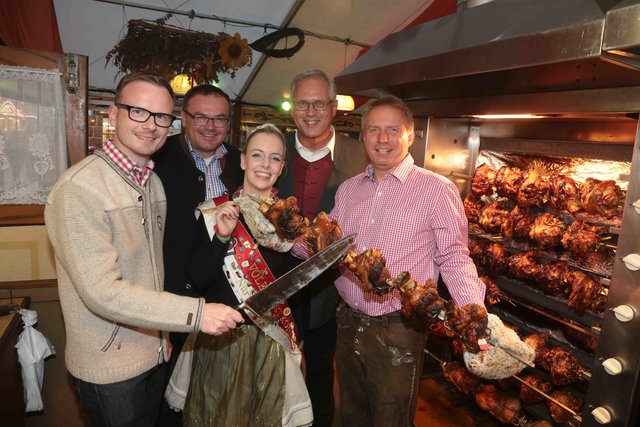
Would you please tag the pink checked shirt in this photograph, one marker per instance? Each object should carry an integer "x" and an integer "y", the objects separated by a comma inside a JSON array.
[{"x": 416, "y": 218}]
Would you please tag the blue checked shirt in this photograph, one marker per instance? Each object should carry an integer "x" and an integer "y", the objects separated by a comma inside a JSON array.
[{"x": 215, "y": 186}]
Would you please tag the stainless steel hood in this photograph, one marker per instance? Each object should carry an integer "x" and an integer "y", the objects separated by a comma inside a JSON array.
[
  {"x": 621, "y": 42},
  {"x": 502, "y": 47}
]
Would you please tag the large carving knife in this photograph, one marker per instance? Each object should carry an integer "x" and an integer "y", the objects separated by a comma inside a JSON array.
[{"x": 291, "y": 282}]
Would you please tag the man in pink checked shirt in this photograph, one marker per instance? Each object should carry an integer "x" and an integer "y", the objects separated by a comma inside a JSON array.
[{"x": 416, "y": 218}]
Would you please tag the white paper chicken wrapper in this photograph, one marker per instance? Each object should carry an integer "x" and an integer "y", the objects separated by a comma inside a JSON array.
[
  {"x": 495, "y": 363},
  {"x": 262, "y": 230}
]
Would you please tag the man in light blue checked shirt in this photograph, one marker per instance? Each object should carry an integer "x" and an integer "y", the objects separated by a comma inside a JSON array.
[{"x": 195, "y": 166}]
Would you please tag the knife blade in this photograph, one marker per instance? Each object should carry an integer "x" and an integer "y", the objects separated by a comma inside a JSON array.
[{"x": 295, "y": 279}]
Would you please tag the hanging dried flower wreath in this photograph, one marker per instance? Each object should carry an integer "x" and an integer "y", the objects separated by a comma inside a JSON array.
[{"x": 169, "y": 51}]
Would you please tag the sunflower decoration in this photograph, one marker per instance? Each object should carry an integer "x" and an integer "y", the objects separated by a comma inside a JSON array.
[{"x": 234, "y": 51}]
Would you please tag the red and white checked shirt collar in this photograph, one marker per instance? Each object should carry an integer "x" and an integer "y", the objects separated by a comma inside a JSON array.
[
  {"x": 139, "y": 175},
  {"x": 416, "y": 218}
]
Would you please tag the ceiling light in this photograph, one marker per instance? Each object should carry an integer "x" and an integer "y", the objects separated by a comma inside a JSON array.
[
  {"x": 345, "y": 103},
  {"x": 286, "y": 105},
  {"x": 507, "y": 116},
  {"x": 182, "y": 83}
]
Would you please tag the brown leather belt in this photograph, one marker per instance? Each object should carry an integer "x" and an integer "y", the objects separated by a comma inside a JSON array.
[{"x": 393, "y": 318}]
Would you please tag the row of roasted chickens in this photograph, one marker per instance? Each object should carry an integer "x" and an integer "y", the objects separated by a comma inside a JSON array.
[
  {"x": 561, "y": 364},
  {"x": 582, "y": 291},
  {"x": 501, "y": 402},
  {"x": 536, "y": 187},
  {"x": 548, "y": 230}
]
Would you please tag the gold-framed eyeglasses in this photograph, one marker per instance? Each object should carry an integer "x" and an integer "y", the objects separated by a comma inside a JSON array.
[
  {"x": 141, "y": 115},
  {"x": 318, "y": 105},
  {"x": 201, "y": 120}
]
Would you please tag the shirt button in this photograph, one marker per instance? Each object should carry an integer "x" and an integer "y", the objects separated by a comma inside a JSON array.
[
  {"x": 360, "y": 329},
  {"x": 356, "y": 341},
  {"x": 201, "y": 178},
  {"x": 379, "y": 193},
  {"x": 357, "y": 353},
  {"x": 372, "y": 220},
  {"x": 187, "y": 286}
]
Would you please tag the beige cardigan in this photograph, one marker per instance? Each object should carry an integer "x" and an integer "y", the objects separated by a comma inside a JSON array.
[{"x": 107, "y": 234}]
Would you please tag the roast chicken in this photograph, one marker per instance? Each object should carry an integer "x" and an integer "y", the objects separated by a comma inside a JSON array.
[
  {"x": 285, "y": 216},
  {"x": 420, "y": 301},
  {"x": 461, "y": 378},
  {"x": 370, "y": 269},
  {"x": 483, "y": 180},
  {"x": 472, "y": 207},
  {"x": 564, "y": 194},
  {"x": 536, "y": 341},
  {"x": 492, "y": 292},
  {"x": 602, "y": 198},
  {"x": 530, "y": 396},
  {"x": 518, "y": 223},
  {"x": 492, "y": 217},
  {"x": 525, "y": 265},
  {"x": 560, "y": 415},
  {"x": 550, "y": 278},
  {"x": 504, "y": 407},
  {"x": 584, "y": 340},
  {"x": 581, "y": 239},
  {"x": 534, "y": 190},
  {"x": 538, "y": 423},
  {"x": 586, "y": 293},
  {"x": 469, "y": 323},
  {"x": 496, "y": 258},
  {"x": 547, "y": 230},
  {"x": 562, "y": 366},
  {"x": 478, "y": 250},
  {"x": 508, "y": 181},
  {"x": 321, "y": 232}
]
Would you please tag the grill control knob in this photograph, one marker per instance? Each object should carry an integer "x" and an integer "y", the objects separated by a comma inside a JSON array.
[
  {"x": 624, "y": 313},
  {"x": 612, "y": 366},
  {"x": 632, "y": 261},
  {"x": 602, "y": 415}
]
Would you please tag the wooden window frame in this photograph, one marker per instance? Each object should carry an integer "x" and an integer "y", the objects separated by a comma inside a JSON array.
[{"x": 76, "y": 120}]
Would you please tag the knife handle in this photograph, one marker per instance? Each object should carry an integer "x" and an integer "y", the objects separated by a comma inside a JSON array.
[{"x": 243, "y": 310}]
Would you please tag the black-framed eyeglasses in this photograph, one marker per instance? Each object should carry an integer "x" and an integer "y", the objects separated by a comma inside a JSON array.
[
  {"x": 201, "y": 120},
  {"x": 141, "y": 115},
  {"x": 318, "y": 105}
]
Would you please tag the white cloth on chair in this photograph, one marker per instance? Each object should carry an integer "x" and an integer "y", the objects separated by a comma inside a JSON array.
[{"x": 33, "y": 348}]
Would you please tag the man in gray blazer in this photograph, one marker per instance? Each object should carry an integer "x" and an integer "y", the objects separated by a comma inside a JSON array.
[{"x": 318, "y": 161}]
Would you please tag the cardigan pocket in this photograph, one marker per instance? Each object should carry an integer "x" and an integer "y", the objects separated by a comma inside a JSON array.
[{"x": 114, "y": 333}]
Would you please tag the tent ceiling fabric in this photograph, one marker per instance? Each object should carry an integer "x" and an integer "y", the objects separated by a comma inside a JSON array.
[{"x": 92, "y": 28}]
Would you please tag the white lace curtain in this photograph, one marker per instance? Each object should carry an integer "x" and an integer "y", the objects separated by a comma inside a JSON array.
[{"x": 33, "y": 151}]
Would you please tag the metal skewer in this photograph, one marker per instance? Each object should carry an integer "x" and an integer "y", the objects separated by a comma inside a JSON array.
[{"x": 551, "y": 399}]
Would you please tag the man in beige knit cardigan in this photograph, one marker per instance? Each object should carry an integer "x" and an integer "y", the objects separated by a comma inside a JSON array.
[{"x": 105, "y": 219}]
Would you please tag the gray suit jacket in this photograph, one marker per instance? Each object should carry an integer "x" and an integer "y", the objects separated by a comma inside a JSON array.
[{"x": 349, "y": 159}]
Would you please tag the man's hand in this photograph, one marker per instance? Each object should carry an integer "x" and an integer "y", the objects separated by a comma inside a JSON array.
[
  {"x": 219, "y": 318},
  {"x": 495, "y": 363}
]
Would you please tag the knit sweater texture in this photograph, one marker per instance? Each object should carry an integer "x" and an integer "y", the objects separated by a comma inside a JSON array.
[{"x": 107, "y": 233}]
